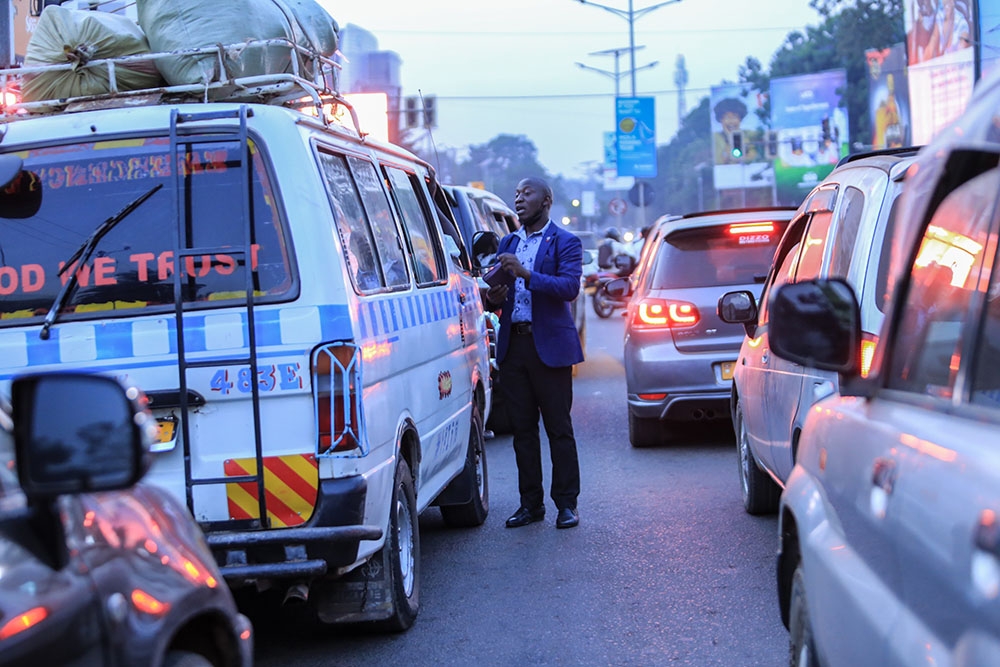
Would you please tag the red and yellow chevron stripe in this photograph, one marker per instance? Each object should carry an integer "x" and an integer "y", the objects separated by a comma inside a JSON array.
[{"x": 289, "y": 486}]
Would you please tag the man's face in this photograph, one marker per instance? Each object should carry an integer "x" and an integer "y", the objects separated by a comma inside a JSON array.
[{"x": 531, "y": 202}]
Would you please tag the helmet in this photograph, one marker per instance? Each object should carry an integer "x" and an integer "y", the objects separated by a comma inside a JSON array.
[{"x": 613, "y": 233}]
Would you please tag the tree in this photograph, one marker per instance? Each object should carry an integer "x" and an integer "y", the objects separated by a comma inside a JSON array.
[{"x": 501, "y": 163}]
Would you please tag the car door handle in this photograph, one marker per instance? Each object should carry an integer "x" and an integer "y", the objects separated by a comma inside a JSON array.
[
  {"x": 884, "y": 474},
  {"x": 883, "y": 477},
  {"x": 988, "y": 533}
]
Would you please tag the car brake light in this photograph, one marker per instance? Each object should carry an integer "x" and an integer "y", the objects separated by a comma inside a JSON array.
[
  {"x": 740, "y": 228},
  {"x": 337, "y": 398},
  {"x": 868, "y": 343},
  {"x": 660, "y": 313},
  {"x": 22, "y": 622}
]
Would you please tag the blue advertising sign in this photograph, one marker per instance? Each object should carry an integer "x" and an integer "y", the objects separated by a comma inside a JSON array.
[{"x": 635, "y": 123}]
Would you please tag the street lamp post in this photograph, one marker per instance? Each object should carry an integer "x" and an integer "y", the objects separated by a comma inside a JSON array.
[
  {"x": 617, "y": 74},
  {"x": 631, "y": 15}
]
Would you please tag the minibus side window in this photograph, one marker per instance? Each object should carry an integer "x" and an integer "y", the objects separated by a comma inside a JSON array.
[
  {"x": 352, "y": 226},
  {"x": 426, "y": 247},
  {"x": 388, "y": 244}
]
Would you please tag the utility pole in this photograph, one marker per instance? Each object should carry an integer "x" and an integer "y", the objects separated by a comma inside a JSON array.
[{"x": 630, "y": 15}]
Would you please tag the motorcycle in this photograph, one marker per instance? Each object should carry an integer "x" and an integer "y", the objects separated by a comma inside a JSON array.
[{"x": 605, "y": 304}]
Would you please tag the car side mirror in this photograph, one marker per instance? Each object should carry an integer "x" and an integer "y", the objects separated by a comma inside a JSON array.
[
  {"x": 484, "y": 249},
  {"x": 618, "y": 288},
  {"x": 817, "y": 323},
  {"x": 78, "y": 433},
  {"x": 739, "y": 308}
]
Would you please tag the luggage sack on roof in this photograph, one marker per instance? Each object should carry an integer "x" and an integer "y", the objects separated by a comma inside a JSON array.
[
  {"x": 172, "y": 25},
  {"x": 74, "y": 36}
]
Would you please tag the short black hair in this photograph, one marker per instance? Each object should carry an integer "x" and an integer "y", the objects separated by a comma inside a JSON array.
[
  {"x": 539, "y": 183},
  {"x": 730, "y": 104}
]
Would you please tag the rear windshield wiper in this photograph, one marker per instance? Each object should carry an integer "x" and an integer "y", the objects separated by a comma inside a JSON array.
[{"x": 83, "y": 253}]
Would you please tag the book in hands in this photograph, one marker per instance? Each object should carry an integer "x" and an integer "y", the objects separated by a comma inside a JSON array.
[{"x": 497, "y": 275}]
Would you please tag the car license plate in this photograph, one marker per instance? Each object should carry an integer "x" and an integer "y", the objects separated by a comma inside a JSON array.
[
  {"x": 726, "y": 369},
  {"x": 166, "y": 435}
]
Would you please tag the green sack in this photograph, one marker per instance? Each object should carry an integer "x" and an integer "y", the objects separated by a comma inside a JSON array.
[
  {"x": 172, "y": 25},
  {"x": 75, "y": 36}
]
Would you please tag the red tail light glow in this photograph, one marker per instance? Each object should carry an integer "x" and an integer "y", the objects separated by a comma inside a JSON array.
[
  {"x": 660, "y": 313},
  {"x": 751, "y": 228},
  {"x": 146, "y": 603},
  {"x": 336, "y": 389},
  {"x": 22, "y": 622}
]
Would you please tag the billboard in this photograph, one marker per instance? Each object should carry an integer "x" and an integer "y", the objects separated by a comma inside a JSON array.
[
  {"x": 736, "y": 111},
  {"x": 889, "y": 97},
  {"x": 989, "y": 36},
  {"x": 635, "y": 122},
  {"x": 812, "y": 131},
  {"x": 611, "y": 179},
  {"x": 939, "y": 37}
]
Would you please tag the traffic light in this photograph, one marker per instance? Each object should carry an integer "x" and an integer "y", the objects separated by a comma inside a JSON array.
[
  {"x": 771, "y": 147},
  {"x": 412, "y": 112},
  {"x": 737, "y": 144},
  {"x": 430, "y": 112}
]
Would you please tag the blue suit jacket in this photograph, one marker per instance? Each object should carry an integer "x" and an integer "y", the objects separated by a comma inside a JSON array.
[{"x": 554, "y": 283}]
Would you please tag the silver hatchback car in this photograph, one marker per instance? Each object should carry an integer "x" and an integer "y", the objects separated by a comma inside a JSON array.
[
  {"x": 679, "y": 356},
  {"x": 889, "y": 523}
]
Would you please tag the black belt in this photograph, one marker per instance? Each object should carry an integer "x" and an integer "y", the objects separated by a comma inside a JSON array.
[{"x": 521, "y": 327}]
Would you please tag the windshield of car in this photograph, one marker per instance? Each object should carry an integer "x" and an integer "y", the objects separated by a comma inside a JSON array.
[
  {"x": 737, "y": 254},
  {"x": 77, "y": 186}
]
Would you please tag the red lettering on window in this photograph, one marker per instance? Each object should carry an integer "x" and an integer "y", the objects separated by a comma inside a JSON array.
[
  {"x": 8, "y": 280},
  {"x": 165, "y": 264},
  {"x": 54, "y": 178},
  {"x": 141, "y": 261},
  {"x": 104, "y": 271},
  {"x": 225, "y": 261},
  {"x": 32, "y": 277},
  {"x": 82, "y": 274},
  {"x": 75, "y": 175}
]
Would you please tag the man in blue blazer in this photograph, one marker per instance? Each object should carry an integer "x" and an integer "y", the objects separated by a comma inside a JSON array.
[{"x": 536, "y": 350}]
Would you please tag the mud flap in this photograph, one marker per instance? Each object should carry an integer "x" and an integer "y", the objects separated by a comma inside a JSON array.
[{"x": 364, "y": 594}]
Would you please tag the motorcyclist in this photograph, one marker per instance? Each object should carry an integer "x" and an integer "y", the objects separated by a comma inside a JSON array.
[{"x": 611, "y": 247}]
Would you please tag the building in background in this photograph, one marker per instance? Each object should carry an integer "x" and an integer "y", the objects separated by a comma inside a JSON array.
[{"x": 366, "y": 69}]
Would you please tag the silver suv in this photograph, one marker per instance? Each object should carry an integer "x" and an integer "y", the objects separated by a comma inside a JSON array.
[
  {"x": 838, "y": 230},
  {"x": 890, "y": 520}
]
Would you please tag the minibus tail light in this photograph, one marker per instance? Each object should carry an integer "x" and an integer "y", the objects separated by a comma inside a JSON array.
[{"x": 336, "y": 375}]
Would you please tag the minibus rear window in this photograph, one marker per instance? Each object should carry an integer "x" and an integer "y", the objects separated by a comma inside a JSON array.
[{"x": 65, "y": 193}]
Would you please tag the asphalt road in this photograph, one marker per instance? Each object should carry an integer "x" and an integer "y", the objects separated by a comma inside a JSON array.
[{"x": 665, "y": 568}]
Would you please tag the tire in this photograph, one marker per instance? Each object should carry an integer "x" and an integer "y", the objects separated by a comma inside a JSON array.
[
  {"x": 185, "y": 659},
  {"x": 644, "y": 432},
  {"x": 474, "y": 512},
  {"x": 602, "y": 303},
  {"x": 760, "y": 493},
  {"x": 401, "y": 553},
  {"x": 801, "y": 645}
]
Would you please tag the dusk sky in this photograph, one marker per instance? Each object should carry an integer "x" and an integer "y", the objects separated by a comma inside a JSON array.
[{"x": 508, "y": 67}]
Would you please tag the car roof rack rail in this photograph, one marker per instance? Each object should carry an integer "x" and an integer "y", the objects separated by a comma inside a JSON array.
[
  {"x": 291, "y": 89},
  {"x": 900, "y": 150}
]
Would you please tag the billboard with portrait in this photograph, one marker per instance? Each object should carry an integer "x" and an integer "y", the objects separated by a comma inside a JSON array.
[
  {"x": 889, "y": 96},
  {"x": 939, "y": 37},
  {"x": 812, "y": 131},
  {"x": 736, "y": 110}
]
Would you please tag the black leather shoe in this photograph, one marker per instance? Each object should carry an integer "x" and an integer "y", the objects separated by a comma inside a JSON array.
[
  {"x": 568, "y": 518},
  {"x": 523, "y": 516}
]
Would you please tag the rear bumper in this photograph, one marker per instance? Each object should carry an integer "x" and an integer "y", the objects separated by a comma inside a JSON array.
[
  {"x": 694, "y": 406},
  {"x": 329, "y": 540}
]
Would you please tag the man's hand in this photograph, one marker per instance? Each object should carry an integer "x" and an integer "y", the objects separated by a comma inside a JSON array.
[
  {"x": 510, "y": 262},
  {"x": 496, "y": 295}
]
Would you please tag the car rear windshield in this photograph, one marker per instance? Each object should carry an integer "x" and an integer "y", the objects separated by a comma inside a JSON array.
[
  {"x": 730, "y": 254},
  {"x": 64, "y": 193}
]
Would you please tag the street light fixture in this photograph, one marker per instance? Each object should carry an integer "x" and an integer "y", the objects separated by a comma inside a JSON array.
[
  {"x": 616, "y": 74},
  {"x": 631, "y": 15}
]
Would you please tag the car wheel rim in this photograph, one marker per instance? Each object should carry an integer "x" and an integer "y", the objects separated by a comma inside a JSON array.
[
  {"x": 480, "y": 473},
  {"x": 803, "y": 657},
  {"x": 404, "y": 527}
]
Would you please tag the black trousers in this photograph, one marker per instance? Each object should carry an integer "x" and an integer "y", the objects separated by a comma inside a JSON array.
[{"x": 531, "y": 389}]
